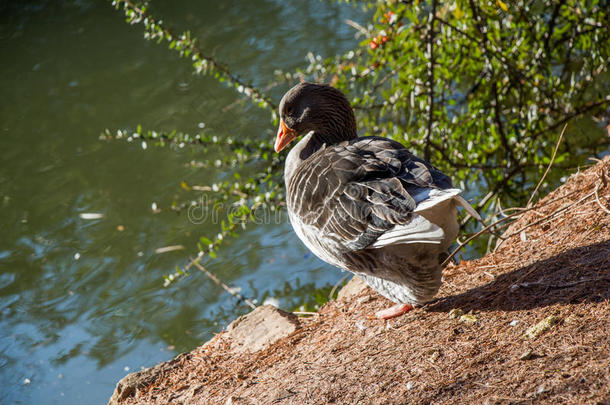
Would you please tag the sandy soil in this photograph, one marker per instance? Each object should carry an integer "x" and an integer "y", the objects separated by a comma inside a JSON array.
[{"x": 475, "y": 343}]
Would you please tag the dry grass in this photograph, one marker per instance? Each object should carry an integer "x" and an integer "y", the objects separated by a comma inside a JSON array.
[{"x": 556, "y": 270}]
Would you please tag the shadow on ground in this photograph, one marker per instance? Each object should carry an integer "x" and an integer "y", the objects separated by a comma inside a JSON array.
[{"x": 574, "y": 276}]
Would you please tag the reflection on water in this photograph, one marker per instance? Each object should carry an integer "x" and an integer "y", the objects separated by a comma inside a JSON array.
[{"x": 81, "y": 302}]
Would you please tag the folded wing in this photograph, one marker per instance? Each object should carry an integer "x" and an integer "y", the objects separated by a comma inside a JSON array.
[{"x": 368, "y": 193}]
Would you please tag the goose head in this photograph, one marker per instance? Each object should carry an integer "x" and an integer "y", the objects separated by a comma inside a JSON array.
[{"x": 313, "y": 107}]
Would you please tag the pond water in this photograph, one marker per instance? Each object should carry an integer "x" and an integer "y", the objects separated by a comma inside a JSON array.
[{"x": 82, "y": 301}]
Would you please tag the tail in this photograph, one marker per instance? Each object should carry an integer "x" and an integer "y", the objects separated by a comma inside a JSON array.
[
  {"x": 469, "y": 209},
  {"x": 432, "y": 197}
]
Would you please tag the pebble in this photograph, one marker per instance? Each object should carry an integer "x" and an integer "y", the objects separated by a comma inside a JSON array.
[
  {"x": 364, "y": 300},
  {"x": 455, "y": 313},
  {"x": 468, "y": 318},
  {"x": 542, "y": 326}
]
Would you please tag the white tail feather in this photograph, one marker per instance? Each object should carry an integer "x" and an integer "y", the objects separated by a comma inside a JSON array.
[
  {"x": 435, "y": 197},
  {"x": 461, "y": 201},
  {"x": 419, "y": 230}
]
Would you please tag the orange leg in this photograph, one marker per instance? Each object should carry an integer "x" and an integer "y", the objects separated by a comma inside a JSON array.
[{"x": 393, "y": 312}]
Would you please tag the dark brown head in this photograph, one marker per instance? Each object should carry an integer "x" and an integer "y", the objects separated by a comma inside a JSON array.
[{"x": 318, "y": 108}]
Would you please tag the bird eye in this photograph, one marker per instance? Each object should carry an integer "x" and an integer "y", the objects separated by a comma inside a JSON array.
[{"x": 289, "y": 111}]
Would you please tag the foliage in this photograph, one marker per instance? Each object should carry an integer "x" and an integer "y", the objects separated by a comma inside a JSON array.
[
  {"x": 481, "y": 88},
  {"x": 478, "y": 88}
]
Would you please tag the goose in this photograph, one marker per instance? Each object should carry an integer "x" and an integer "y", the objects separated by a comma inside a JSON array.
[{"x": 365, "y": 204}]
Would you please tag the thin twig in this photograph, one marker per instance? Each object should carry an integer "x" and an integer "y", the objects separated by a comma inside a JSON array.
[
  {"x": 562, "y": 285},
  {"x": 547, "y": 217},
  {"x": 498, "y": 120},
  {"x": 388, "y": 75},
  {"x": 430, "y": 50},
  {"x": 306, "y": 313},
  {"x": 513, "y": 215},
  {"x": 482, "y": 231},
  {"x": 578, "y": 111},
  {"x": 606, "y": 210},
  {"x": 357, "y": 27},
  {"x": 219, "y": 282},
  {"x": 337, "y": 284},
  {"x": 529, "y": 203},
  {"x": 479, "y": 42}
]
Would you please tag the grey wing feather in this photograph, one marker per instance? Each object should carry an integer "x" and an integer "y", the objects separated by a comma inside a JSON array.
[{"x": 355, "y": 192}]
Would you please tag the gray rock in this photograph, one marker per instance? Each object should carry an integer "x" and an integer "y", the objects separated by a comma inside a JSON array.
[
  {"x": 354, "y": 287},
  {"x": 252, "y": 332},
  {"x": 127, "y": 386},
  {"x": 260, "y": 329}
]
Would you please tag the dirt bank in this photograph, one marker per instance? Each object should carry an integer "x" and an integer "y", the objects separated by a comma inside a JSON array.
[{"x": 527, "y": 324}]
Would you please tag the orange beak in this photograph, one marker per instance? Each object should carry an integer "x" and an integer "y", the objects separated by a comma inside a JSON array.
[{"x": 284, "y": 136}]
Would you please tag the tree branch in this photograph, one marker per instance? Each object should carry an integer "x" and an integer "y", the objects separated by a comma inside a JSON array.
[{"x": 430, "y": 51}]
